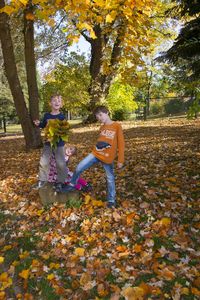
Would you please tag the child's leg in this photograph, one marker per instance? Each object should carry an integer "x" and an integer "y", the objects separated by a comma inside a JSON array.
[
  {"x": 44, "y": 163},
  {"x": 86, "y": 163},
  {"x": 111, "y": 192},
  {"x": 60, "y": 164}
]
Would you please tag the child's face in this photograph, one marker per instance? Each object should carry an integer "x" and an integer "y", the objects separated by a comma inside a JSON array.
[
  {"x": 56, "y": 103},
  {"x": 102, "y": 117},
  {"x": 69, "y": 151}
]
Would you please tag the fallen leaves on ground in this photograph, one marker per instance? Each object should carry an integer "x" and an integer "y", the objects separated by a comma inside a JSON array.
[{"x": 147, "y": 248}]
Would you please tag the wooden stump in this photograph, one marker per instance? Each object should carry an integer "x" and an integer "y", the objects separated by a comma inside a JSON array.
[{"x": 48, "y": 195}]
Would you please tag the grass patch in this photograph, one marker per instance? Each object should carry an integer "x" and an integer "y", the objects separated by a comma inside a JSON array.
[{"x": 74, "y": 203}]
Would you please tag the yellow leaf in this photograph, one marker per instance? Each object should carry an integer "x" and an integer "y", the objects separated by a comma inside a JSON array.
[
  {"x": 130, "y": 218},
  {"x": 185, "y": 291},
  {"x": 1, "y": 259},
  {"x": 35, "y": 263},
  {"x": 39, "y": 212},
  {"x": 133, "y": 293},
  {"x": 102, "y": 291},
  {"x": 51, "y": 22},
  {"x": 97, "y": 203},
  {"x": 7, "y": 247},
  {"x": 116, "y": 216},
  {"x": 24, "y": 274},
  {"x": 50, "y": 276},
  {"x": 121, "y": 248},
  {"x": 24, "y": 2},
  {"x": 196, "y": 282},
  {"x": 195, "y": 291},
  {"x": 3, "y": 276},
  {"x": 45, "y": 256},
  {"x": 24, "y": 254},
  {"x": 15, "y": 263},
  {"x": 109, "y": 19},
  {"x": 147, "y": 288},
  {"x": 75, "y": 39},
  {"x": 167, "y": 274},
  {"x": 87, "y": 199},
  {"x": 85, "y": 278},
  {"x": 92, "y": 34},
  {"x": 137, "y": 248},
  {"x": 165, "y": 221},
  {"x": 126, "y": 253},
  {"x": 80, "y": 251},
  {"x": 30, "y": 16},
  {"x": 7, "y": 9},
  {"x": 54, "y": 266},
  {"x": 2, "y": 295}
]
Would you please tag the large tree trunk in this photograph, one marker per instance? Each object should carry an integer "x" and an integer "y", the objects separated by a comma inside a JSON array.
[
  {"x": 30, "y": 132},
  {"x": 96, "y": 84},
  {"x": 100, "y": 81},
  {"x": 31, "y": 63}
]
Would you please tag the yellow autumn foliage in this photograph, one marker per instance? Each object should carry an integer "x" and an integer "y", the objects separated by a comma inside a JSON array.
[{"x": 55, "y": 131}]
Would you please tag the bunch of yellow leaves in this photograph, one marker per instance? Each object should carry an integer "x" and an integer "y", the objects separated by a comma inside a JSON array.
[{"x": 55, "y": 131}]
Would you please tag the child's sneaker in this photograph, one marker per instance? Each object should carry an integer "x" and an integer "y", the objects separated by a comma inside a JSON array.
[
  {"x": 68, "y": 188},
  {"x": 39, "y": 185},
  {"x": 111, "y": 205}
]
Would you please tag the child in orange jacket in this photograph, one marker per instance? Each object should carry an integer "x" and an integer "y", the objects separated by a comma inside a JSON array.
[{"x": 110, "y": 140}]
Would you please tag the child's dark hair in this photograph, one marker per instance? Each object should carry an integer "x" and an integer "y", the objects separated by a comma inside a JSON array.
[{"x": 99, "y": 109}]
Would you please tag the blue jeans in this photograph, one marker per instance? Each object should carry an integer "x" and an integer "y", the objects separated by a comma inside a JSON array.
[{"x": 86, "y": 163}]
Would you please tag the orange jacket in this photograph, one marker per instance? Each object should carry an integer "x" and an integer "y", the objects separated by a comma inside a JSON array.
[{"x": 110, "y": 139}]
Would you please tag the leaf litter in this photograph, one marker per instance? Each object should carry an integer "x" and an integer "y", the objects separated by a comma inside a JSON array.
[{"x": 146, "y": 248}]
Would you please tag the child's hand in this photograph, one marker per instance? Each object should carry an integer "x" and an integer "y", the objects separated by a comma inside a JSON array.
[
  {"x": 36, "y": 122},
  {"x": 119, "y": 165}
]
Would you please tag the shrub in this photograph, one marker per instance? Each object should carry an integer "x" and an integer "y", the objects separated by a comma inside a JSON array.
[
  {"x": 157, "y": 108},
  {"x": 120, "y": 115},
  {"x": 174, "y": 106}
]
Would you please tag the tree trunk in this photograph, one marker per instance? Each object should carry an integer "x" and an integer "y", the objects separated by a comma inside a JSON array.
[
  {"x": 100, "y": 81},
  {"x": 148, "y": 93},
  {"x": 96, "y": 89},
  {"x": 30, "y": 131},
  {"x": 4, "y": 124},
  {"x": 145, "y": 111},
  {"x": 30, "y": 63}
]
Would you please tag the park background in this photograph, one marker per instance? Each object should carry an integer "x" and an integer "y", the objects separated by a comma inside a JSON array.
[{"x": 141, "y": 59}]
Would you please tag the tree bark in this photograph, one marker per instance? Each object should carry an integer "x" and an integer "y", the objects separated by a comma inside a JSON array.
[
  {"x": 4, "y": 124},
  {"x": 31, "y": 63},
  {"x": 31, "y": 133},
  {"x": 100, "y": 81}
]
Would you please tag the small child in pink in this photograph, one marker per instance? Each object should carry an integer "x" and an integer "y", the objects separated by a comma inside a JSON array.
[{"x": 69, "y": 151}]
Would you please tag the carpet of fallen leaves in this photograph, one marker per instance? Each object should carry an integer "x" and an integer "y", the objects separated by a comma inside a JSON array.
[{"x": 147, "y": 248}]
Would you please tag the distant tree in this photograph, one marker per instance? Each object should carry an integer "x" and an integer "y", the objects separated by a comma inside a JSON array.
[
  {"x": 121, "y": 98},
  {"x": 7, "y": 111},
  {"x": 71, "y": 79},
  {"x": 185, "y": 52},
  {"x": 187, "y": 43}
]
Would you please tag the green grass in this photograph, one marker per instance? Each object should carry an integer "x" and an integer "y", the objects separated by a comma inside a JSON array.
[
  {"x": 16, "y": 128},
  {"x": 12, "y": 128}
]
